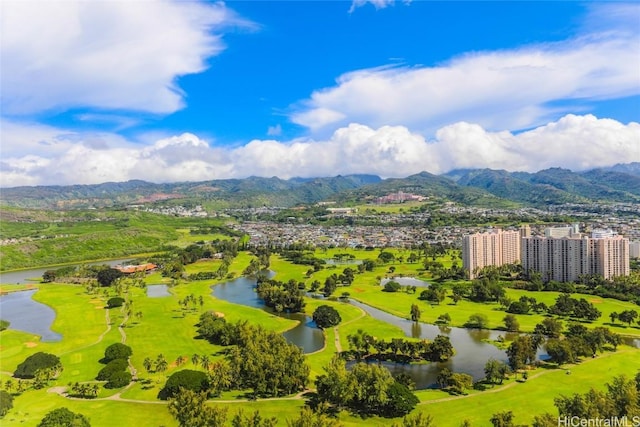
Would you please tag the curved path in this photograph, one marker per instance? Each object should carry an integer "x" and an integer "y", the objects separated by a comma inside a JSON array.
[{"x": 337, "y": 333}]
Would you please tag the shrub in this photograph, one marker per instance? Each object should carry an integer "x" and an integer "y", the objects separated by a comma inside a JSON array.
[
  {"x": 115, "y": 302},
  {"x": 6, "y": 402},
  {"x": 36, "y": 362},
  {"x": 117, "y": 351},
  {"x": 326, "y": 316},
  {"x": 189, "y": 379},
  {"x": 4, "y": 324}
]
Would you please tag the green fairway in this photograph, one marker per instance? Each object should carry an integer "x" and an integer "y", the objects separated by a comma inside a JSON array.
[{"x": 165, "y": 327}]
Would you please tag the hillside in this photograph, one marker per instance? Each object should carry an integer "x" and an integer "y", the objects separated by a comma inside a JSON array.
[{"x": 479, "y": 187}]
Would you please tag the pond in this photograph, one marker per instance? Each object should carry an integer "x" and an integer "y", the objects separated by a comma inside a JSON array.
[
  {"x": 242, "y": 291},
  {"x": 472, "y": 352},
  {"x": 28, "y": 315},
  {"x": 158, "y": 291},
  {"x": 35, "y": 274},
  {"x": 406, "y": 281},
  {"x": 347, "y": 262}
]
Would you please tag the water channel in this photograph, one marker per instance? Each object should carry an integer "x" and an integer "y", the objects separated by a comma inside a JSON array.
[{"x": 241, "y": 291}]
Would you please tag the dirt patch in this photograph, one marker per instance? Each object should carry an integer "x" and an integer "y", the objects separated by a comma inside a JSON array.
[
  {"x": 30, "y": 344},
  {"x": 595, "y": 300},
  {"x": 358, "y": 290},
  {"x": 219, "y": 314}
]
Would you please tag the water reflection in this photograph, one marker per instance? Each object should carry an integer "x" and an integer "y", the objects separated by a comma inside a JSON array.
[
  {"x": 28, "y": 315},
  {"x": 472, "y": 350},
  {"x": 158, "y": 291},
  {"x": 407, "y": 281},
  {"x": 242, "y": 291}
]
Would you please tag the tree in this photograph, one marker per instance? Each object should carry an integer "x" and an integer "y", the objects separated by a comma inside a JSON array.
[
  {"x": 502, "y": 419},
  {"x": 118, "y": 379},
  {"x": 511, "y": 323},
  {"x": 116, "y": 365},
  {"x": 521, "y": 352},
  {"x": 117, "y": 351},
  {"x": 478, "y": 320},
  {"x": 187, "y": 379},
  {"x": 4, "y": 324},
  {"x": 628, "y": 316},
  {"x": 336, "y": 386},
  {"x": 613, "y": 316},
  {"x": 418, "y": 420},
  {"x": 253, "y": 420},
  {"x": 415, "y": 312},
  {"x": 550, "y": 327},
  {"x": 62, "y": 417},
  {"x": 115, "y": 302},
  {"x": 308, "y": 418},
  {"x": 326, "y": 316},
  {"x": 400, "y": 400},
  {"x": 392, "y": 286},
  {"x": 444, "y": 318},
  {"x": 147, "y": 364},
  {"x": 495, "y": 371},
  {"x": 560, "y": 351},
  {"x": 440, "y": 349},
  {"x": 190, "y": 409},
  {"x": 38, "y": 362},
  {"x": 6, "y": 403},
  {"x": 161, "y": 363},
  {"x": 107, "y": 276}
]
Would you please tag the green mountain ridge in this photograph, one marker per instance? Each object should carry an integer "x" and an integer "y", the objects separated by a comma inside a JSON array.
[{"x": 478, "y": 187}]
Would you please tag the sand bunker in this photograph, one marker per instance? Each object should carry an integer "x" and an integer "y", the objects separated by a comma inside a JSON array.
[{"x": 30, "y": 344}]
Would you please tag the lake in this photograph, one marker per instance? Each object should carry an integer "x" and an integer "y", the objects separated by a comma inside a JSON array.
[
  {"x": 35, "y": 274},
  {"x": 28, "y": 315}
]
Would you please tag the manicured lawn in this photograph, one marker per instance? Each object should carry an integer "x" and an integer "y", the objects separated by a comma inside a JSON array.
[{"x": 168, "y": 329}]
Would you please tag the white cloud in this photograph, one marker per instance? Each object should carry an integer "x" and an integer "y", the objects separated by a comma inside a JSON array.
[
  {"x": 378, "y": 4},
  {"x": 574, "y": 142},
  {"x": 274, "y": 130},
  {"x": 110, "y": 55},
  {"x": 508, "y": 89}
]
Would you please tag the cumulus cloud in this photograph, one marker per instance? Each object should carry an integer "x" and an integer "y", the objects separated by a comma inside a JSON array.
[
  {"x": 110, "y": 55},
  {"x": 509, "y": 89},
  {"x": 574, "y": 142}
]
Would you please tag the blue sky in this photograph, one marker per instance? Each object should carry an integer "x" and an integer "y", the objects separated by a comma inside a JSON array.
[{"x": 173, "y": 91}]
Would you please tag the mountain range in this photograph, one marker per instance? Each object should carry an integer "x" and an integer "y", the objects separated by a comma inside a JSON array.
[{"x": 487, "y": 187}]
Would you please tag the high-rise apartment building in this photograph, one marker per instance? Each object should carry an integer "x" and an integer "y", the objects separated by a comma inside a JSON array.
[
  {"x": 496, "y": 247},
  {"x": 565, "y": 259},
  {"x": 563, "y": 254}
]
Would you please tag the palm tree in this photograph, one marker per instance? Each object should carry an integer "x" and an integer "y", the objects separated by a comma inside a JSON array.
[
  {"x": 195, "y": 359},
  {"x": 161, "y": 363},
  {"x": 205, "y": 362},
  {"x": 147, "y": 363}
]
